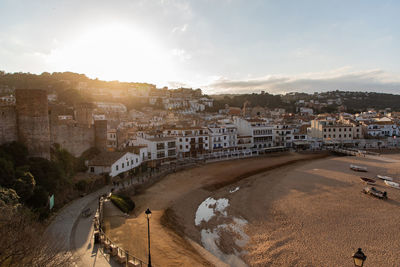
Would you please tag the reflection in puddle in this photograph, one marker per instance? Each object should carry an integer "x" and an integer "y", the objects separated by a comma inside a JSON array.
[
  {"x": 210, "y": 238},
  {"x": 208, "y": 207}
]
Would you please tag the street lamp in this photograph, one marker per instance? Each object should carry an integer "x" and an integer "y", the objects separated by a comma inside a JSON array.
[
  {"x": 148, "y": 215},
  {"x": 359, "y": 258}
]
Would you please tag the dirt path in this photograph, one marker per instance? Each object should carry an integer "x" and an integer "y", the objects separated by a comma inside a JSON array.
[{"x": 174, "y": 201}]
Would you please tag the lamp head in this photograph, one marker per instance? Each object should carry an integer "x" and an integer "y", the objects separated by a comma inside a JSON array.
[
  {"x": 148, "y": 213},
  {"x": 359, "y": 258}
]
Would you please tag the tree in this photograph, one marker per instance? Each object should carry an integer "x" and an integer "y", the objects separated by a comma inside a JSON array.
[
  {"x": 39, "y": 198},
  {"x": 24, "y": 184},
  {"x": 6, "y": 172},
  {"x": 15, "y": 152},
  {"x": 23, "y": 242},
  {"x": 8, "y": 198}
]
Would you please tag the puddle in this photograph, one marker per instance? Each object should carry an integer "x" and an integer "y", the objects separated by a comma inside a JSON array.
[
  {"x": 210, "y": 238},
  {"x": 207, "y": 209}
]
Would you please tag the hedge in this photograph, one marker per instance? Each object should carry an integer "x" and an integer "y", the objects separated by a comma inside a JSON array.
[{"x": 124, "y": 203}]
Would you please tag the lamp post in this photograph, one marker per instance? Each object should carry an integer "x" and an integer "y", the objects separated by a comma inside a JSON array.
[
  {"x": 148, "y": 215},
  {"x": 359, "y": 258}
]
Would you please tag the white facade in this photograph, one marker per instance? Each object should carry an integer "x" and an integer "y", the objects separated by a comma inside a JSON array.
[
  {"x": 190, "y": 141},
  {"x": 159, "y": 148},
  {"x": 260, "y": 131},
  {"x": 116, "y": 166},
  {"x": 283, "y": 135},
  {"x": 332, "y": 131},
  {"x": 223, "y": 137}
]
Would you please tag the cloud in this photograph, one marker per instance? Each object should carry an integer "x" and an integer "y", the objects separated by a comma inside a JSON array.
[
  {"x": 340, "y": 79},
  {"x": 181, "y": 54},
  {"x": 182, "y": 28}
]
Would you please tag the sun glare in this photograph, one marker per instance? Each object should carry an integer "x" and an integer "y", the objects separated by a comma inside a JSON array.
[{"x": 115, "y": 52}]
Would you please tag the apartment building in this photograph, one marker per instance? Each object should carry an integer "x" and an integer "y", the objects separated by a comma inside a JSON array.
[
  {"x": 159, "y": 149},
  {"x": 381, "y": 128},
  {"x": 283, "y": 135},
  {"x": 223, "y": 137},
  {"x": 261, "y": 132},
  {"x": 190, "y": 141},
  {"x": 331, "y": 130}
]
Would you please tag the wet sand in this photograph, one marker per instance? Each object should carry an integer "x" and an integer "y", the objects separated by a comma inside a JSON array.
[{"x": 308, "y": 213}]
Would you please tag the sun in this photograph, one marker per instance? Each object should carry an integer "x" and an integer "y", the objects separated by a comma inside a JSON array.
[{"x": 115, "y": 52}]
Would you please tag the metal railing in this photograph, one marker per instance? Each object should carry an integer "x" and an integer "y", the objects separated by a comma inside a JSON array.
[{"x": 122, "y": 256}]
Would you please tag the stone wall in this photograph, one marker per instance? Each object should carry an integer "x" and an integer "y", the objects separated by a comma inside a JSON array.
[
  {"x": 100, "y": 127},
  {"x": 33, "y": 127},
  {"x": 76, "y": 139},
  {"x": 8, "y": 124}
]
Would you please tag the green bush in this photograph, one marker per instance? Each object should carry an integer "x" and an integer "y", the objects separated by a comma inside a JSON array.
[{"x": 124, "y": 203}]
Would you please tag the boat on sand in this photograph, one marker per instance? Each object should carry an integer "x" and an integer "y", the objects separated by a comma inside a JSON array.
[
  {"x": 392, "y": 184},
  {"x": 375, "y": 192},
  {"x": 367, "y": 180},
  {"x": 386, "y": 178},
  {"x": 358, "y": 168}
]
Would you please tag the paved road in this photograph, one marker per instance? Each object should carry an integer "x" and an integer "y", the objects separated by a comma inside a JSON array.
[{"x": 75, "y": 233}]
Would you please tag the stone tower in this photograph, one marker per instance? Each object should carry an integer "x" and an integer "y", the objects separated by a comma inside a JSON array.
[
  {"x": 33, "y": 127},
  {"x": 100, "y": 128},
  {"x": 84, "y": 113}
]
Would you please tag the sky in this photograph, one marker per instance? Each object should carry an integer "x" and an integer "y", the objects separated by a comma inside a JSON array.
[{"x": 221, "y": 46}]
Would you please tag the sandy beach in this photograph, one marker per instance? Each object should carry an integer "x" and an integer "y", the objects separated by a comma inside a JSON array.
[{"x": 279, "y": 210}]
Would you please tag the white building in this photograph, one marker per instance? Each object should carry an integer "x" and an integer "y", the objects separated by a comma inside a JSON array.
[
  {"x": 381, "y": 128},
  {"x": 190, "y": 141},
  {"x": 114, "y": 163},
  {"x": 223, "y": 137},
  {"x": 283, "y": 135},
  {"x": 260, "y": 131},
  {"x": 159, "y": 148},
  {"x": 334, "y": 131}
]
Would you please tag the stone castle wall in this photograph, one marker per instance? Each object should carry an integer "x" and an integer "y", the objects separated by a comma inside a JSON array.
[
  {"x": 8, "y": 124},
  {"x": 33, "y": 128},
  {"x": 76, "y": 139},
  {"x": 28, "y": 122}
]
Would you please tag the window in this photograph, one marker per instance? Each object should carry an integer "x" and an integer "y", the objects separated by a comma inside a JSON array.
[
  {"x": 127, "y": 163},
  {"x": 324, "y": 135},
  {"x": 187, "y": 146},
  {"x": 160, "y": 146},
  {"x": 324, "y": 129},
  {"x": 91, "y": 169},
  {"x": 137, "y": 160},
  {"x": 116, "y": 167},
  {"x": 132, "y": 161},
  {"x": 123, "y": 165}
]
